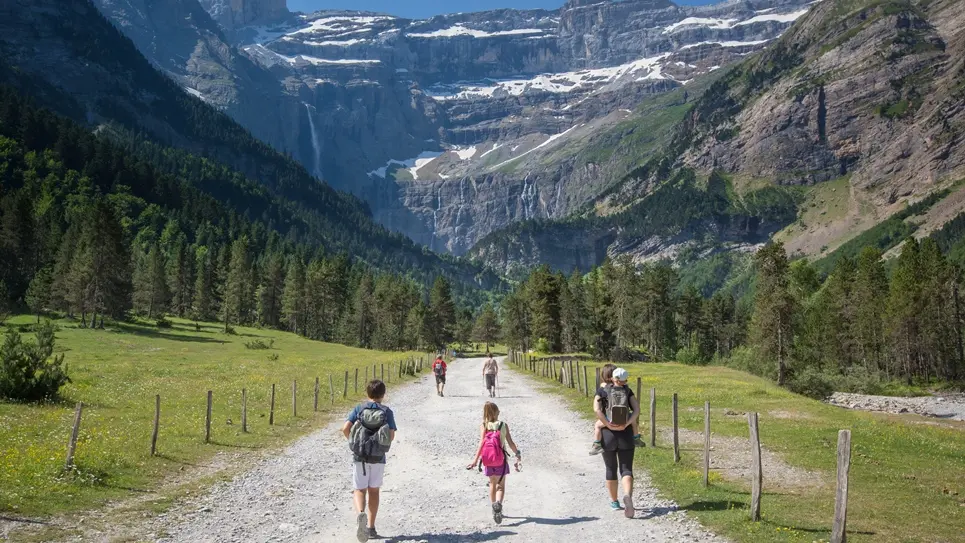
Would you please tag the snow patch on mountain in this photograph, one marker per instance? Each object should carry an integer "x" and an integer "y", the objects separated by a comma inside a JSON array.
[
  {"x": 555, "y": 83},
  {"x": 461, "y": 30}
]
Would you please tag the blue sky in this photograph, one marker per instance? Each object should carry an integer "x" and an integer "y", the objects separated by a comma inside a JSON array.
[{"x": 427, "y": 8}]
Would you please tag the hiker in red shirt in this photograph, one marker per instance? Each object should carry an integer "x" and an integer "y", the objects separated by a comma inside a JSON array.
[{"x": 439, "y": 369}]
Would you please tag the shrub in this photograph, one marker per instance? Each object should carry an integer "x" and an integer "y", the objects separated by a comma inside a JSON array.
[
  {"x": 691, "y": 356},
  {"x": 542, "y": 345},
  {"x": 163, "y": 323},
  {"x": 273, "y": 357},
  {"x": 260, "y": 344},
  {"x": 746, "y": 359},
  {"x": 812, "y": 382},
  {"x": 230, "y": 330},
  {"x": 29, "y": 371}
]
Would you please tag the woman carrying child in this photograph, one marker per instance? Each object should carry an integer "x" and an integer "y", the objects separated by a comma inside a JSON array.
[
  {"x": 617, "y": 409},
  {"x": 606, "y": 378},
  {"x": 494, "y": 439}
]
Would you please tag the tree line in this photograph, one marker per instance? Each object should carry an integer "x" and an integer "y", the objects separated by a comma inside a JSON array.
[
  {"x": 869, "y": 322},
  {"x": 98, "y": 232}
]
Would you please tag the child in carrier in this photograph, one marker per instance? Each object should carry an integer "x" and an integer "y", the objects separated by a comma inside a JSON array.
[
  {"x": 608, "y": 374},
  {"x": 493, "y": 442}
]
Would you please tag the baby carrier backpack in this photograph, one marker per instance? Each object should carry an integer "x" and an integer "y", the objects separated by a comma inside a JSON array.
[{"x": 618, "y": 405}]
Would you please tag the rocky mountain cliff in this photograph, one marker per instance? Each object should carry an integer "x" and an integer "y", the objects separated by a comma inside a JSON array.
[
  {"x": 851, "y": 115},
  {"x": 458, "y": 125}
]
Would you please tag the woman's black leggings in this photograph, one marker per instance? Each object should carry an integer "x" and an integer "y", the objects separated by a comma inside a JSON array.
[{"x": 625, "y": 458}]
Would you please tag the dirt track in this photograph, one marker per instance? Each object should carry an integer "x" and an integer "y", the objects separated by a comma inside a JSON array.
[{"x": 303, "y": 494}]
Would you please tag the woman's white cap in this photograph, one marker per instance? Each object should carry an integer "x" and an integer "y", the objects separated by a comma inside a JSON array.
[{"x": 620, "y": 374}]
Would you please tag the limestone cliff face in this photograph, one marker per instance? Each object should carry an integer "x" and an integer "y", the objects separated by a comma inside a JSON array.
[{"x": 409, "y": 114}]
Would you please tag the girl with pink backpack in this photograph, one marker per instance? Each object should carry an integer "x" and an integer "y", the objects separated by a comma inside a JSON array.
[{"x": 494, "y": 439}]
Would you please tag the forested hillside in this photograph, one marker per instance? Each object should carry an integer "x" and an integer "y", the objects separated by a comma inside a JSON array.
[
  {"x": 859, "y": 329},
  {"x": 95, "y": 231},
  {"x": 68, "y": 57}
]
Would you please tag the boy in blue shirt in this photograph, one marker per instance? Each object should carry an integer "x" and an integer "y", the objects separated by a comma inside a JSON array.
[{"x": 368, "y": 471}]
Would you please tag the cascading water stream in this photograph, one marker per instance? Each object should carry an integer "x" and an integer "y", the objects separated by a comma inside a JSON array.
[{"x": 317, "y": 159}]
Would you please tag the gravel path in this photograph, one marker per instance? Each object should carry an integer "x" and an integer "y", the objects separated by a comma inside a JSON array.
[{"x": 304, "y": 494}]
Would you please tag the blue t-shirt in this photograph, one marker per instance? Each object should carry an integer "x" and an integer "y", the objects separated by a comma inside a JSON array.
[{"x": 389, "y": 416}]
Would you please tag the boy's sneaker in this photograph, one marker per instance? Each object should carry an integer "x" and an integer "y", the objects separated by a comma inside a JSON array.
[
  {"x": 373, "y": 534},
  {"x": 498, "y": 512},
  {"x": 596, "y": 448},
  {"x": 638, "y": 442},
  {"x": 628, "y": 510},
  {"x": 615, "y": 505},
  {"x": 363, "y": 528}
]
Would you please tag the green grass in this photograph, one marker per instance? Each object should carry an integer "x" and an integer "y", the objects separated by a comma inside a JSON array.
[
  {"x": 117, "y": 372},
  {"x": 907, "y": 479}
]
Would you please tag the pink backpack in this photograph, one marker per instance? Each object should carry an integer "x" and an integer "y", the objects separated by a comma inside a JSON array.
[{"x": 492, "y": 450}]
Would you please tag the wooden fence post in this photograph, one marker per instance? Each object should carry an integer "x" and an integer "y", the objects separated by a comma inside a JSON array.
[
  {"x": 207, "y": 420},
  {"x": 244, "y": 410},
  {"x": 706, "y": 443},
  {"x": 157, "y": 423},
  {"x": 756, "y": 471},
  {"x": 383, "y": 372},
  {"x": 572, "y": 383},
  {"x": 638, "y": 393},
  {"x": 331, "y": 388},
  {"x": 400, "y": 369},
  {"x": 839, "y": 528},
  {"x": 271, "y": 408},
  {"x": 315, "y": 396},
  {"x": 294, "y": 399},
  {"x": 597, "y": 378},
  {"x": 676, "y": 437},
  {"x": 356, "y": 380},
  {"x": 586, "y": 384},
  {"x": 653, "y": 417},
  {"x": 345, "y": 386},
  {"x": 74, "y": 432}
]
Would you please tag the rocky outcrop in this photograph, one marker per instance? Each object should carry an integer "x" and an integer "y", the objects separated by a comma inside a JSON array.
[{"x": 232, "y": 14}]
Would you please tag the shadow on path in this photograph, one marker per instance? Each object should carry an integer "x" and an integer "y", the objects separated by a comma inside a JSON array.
[
  {"x": 450, "y": 538},
  {"x": 550, "y": 521}
]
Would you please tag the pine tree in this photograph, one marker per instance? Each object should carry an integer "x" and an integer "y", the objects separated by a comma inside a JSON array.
[
  {"x": 362, "y": 325},
  {"x": 99, "y": 280},
  {"x": 904, "y": 304},
  {"x": 543, "y": 288},
  {"x": 486, "y": 329},
  {"x": 293, "y": 296},
  {"x": 573, "y": 320},
  {"x": 870, "y": 295},
  {"x": 774, "y": 308},
  {"x": 202, "y": 304},
  {"x": 38, "y": 295},
  {"x": 179, "y": 277},
  {"x": 443, "y": 313},
  {"x": 150, "y": 284},
  {"x": 236, "y": 283},
  {"x": 516, "y": 320},
  {"x": 271, "y": 289}
]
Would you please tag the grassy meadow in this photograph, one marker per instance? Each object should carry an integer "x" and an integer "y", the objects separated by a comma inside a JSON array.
[
  {"x": 907, "y": 479},
  {"x": 117, "y": 372}
]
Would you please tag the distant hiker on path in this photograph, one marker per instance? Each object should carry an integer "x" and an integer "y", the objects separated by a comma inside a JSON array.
[
  {"x": 439, "y": 369},
  {"x": 490, "y": 371},
  {"x": 618, "y": 409},
  {"x": 370, "y": 429},
  {"x": 606, "y": 376},
  {"x": 493, "y": 440}
]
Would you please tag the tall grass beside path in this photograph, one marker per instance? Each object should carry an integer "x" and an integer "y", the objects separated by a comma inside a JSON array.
[
  {"x": 907, "y": 480},
  {"x": 117, "y": 372}
]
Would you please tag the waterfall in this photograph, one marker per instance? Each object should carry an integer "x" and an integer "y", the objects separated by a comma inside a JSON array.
[
  {"x": 316, "y": 160},
  {"x": 435, "y": 219}
]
